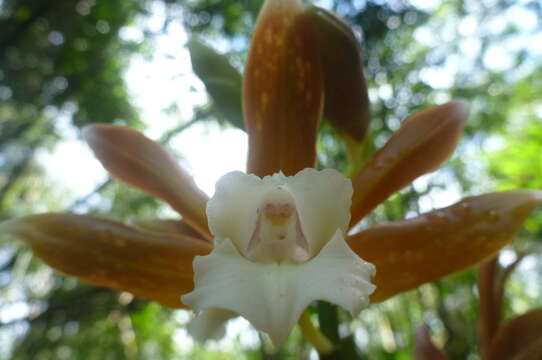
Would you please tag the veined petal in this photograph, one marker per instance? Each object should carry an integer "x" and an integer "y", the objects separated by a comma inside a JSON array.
[
  {"x": 283, "y": 90},
  {"x": 273, "y": 296},
  {"x": 140, "y": 162},
  {"x": 421, "y": 144},
  {"x": 412, "y": 252},
  {"x": 232, "y": 211},
  {"x": 322, "y": 199},
  {"x": 106, "y": 253},
  {"x": 168, "y": 226}
]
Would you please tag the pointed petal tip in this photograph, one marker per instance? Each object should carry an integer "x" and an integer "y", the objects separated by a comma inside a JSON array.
[
  {"x": 456, "y": 110},
  {"x": 96, "y": 132},
  {"x": 509, "y": 198},
  {"x": 91, "y": 130},
  {"x": 14, "y": 227},
  {"x": 460, "y": 107},
  {"x": 8, "y": 226},
  {"x": 88, "y": 129},
  {"x": 424, "y": 141},
  {"x": 460, "y": 104},
  {"x": 209, "y": 324}
]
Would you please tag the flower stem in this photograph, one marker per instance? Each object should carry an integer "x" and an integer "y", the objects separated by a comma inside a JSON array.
[
  {"x": 357, "y": 154},
  {"x": 313, "y": 335}
]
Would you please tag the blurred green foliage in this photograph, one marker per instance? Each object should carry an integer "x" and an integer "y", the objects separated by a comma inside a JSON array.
[{"x": 68, "y": 59}]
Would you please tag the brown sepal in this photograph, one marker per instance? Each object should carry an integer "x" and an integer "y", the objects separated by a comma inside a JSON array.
[
  {"x": 142, "y": 163},
  {"x": 101, "y": 252},
  {"x": 421, "y": 144},
  {"x": 412, "y": 252},
  {"x": 282, "y": 91}
]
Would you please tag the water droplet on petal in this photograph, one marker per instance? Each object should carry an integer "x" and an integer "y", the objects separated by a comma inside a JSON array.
[
  {"x": 493, "y": 216},
  {"x": 463, "y": 209},
  {"x": 438, "y": 217},
  {"x": 377, "y": 164},
  {"x": 120, "y": 243},
  {"x": 408, "y": 255}
]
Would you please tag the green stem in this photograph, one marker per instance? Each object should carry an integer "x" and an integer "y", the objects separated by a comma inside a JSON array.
[
  {"x": 357, "y": 154},
  {"x": 313, "y": 335}
]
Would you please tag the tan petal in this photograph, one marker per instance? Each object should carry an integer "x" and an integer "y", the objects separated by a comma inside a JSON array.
[
  {"x": 282, "y": 91},
  {"x": 140, "y": 162},
  {"x": 423, "y": 142},
  {"x": 101, "y": 252},
  {"x": 412, "y": 252},
  {"x": 168, "y": 226},
  {"x": 519, "y": 339},
  {"x": 346, "y": 100}
]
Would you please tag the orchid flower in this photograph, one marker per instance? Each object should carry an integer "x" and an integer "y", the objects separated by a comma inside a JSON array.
[
  {"x": 279, "y": 246},
  {"x": 273, "y": 240}
]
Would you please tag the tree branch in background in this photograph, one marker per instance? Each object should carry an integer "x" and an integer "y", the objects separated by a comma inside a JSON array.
[
  {"x": 503, "y": 276},
  {"x": 424, "y": 347}
]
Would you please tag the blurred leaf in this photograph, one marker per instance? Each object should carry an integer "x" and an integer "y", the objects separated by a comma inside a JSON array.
[
  {"x": 346, "y": 349},
  {"x": 518, "y": 163},
  {"x": 328, "y": 320},
  {"x": 222, "y": 80}
]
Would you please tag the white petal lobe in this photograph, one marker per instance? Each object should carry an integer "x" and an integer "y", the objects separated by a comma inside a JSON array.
[
  {"x": 322, "y": 198},
  {"x": 209, "y": 324},
  {"x": 232, "y": 211},
  {"x": 273, "y": 296}
]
